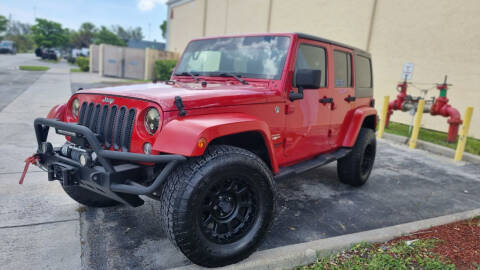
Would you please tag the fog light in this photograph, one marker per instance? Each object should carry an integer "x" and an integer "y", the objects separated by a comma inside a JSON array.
[
  {"x": 84, "y": 160},
  {"x": 147, "y": 148}
]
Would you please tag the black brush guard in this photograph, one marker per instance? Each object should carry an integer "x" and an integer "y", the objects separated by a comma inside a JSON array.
[{"x": 116, "y": 176}]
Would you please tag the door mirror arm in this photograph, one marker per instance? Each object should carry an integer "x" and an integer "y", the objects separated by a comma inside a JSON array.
[
  {"x": 296, "y": 95},
  {"x": 305, "y": 79}
]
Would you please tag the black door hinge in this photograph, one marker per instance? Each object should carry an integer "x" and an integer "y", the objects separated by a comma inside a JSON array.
[{"x": 180, "y": 106}]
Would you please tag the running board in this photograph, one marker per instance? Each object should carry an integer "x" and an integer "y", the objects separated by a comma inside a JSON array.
[{"x": 312, "y": 163}]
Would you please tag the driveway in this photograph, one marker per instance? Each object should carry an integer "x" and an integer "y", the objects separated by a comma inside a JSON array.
[
  {"x": 406, "y": 185},
  {"x": 14, "y": 82}
]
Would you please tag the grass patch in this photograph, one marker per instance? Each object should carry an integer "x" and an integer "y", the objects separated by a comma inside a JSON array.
[
  {"x": 401, "y": 255},
  {"x": 33, "y": 68},
  {"x": 433, "y": 136},
  {"x": 76, "y": 70}
]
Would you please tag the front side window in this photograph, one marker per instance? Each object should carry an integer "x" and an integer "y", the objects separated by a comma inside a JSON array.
[
  {"x": 312, "y": 57},
  {"x": 260, "y": 57},
  {"x": 343, "y": 69}
]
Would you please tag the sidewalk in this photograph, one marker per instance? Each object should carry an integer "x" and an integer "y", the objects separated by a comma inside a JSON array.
[{"x": 39, "y": 224}]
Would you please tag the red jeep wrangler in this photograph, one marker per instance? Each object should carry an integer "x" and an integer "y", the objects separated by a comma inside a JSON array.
[{"x": 237, "y": 113}]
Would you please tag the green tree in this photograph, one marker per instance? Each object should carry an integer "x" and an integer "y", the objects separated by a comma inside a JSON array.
[
  {"x": 84, "y": 37},
  {"x": 49, "y": 34},
  {"x": 106, "y": 36},
  {"x": 3, "y": 25},
  {"x": 163, "y": 27},
  {"x": 128, "y": 34}
]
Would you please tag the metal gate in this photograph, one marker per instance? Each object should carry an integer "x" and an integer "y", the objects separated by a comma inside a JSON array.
[
  {"x": 113, "y": 61},
  {"x": 94, "y": 50},
  {"x": 134, "y": 64}
]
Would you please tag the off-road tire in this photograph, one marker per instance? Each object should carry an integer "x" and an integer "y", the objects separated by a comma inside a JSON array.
[
  {"x": 184, "y": 210},
  {"x": 88, "y": 198},
  {"x": 355, "y": 168}
]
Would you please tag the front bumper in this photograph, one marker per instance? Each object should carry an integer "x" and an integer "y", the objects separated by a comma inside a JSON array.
[{"x": 116, "y": 175}]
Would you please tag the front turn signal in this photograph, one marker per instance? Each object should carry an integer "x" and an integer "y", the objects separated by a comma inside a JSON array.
[{"x": 202, "y": 143}]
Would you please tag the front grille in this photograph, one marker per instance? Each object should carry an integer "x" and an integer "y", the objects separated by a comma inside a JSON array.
[{"x": 113, "y": 125}]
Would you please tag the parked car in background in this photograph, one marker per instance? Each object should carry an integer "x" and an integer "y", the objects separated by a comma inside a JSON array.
[
  {"x": 51, "y": 54},
  {"x": 8, "y": 46},
  {"x": 74, "y": 53}
]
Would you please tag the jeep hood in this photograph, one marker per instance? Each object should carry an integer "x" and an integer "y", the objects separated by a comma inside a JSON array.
[{"x": 193, "y": 94}]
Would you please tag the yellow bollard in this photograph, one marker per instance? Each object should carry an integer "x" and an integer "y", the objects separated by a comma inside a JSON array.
[
  {"x": 383, "y": 118},
  {"x": 462, "y": 139},
  {"x": 416, "y": 124}
]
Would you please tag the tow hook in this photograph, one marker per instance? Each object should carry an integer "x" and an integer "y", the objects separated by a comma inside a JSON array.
[{"x": 30, "y": 160}]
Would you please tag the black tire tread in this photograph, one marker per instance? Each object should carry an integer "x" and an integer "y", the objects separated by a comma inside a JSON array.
[
  {"x": 179, "y": 180},
  {"x": 348, "y": 167}
]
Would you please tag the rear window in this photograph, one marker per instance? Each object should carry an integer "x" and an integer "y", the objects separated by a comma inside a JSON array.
[
  {"x": 363, "y": 73},
  {"x": 343, "y": 69}
]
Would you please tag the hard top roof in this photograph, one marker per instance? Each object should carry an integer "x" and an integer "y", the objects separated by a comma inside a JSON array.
[{"x": 320, "y": 39}]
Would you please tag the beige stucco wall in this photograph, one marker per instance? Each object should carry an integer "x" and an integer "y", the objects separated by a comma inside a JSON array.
[
  {"x": 439, "y": 36},
  {"x": 187, "y": 23},
  {"x": 345, "y": 21}
]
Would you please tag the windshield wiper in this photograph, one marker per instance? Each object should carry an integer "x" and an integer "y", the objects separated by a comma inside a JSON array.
[
  {"x": 185, "y": 73},
  {"x": 228, "y": 74}
]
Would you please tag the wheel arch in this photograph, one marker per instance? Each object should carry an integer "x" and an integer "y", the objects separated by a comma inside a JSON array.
[
  {"x": 364, "y": 117},
  {"x": 181, "y": 136},
  {"x": 57, "y": 112}
]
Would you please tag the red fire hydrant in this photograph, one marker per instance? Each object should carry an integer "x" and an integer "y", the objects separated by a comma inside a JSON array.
[
  {"x": 441, "y": 107},
  {"x": 398, "y": 102}
]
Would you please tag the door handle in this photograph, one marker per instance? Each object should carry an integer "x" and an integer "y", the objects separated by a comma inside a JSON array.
[
  {"x": 326, "y": 100},
  {"x": 350, "y": 98}
]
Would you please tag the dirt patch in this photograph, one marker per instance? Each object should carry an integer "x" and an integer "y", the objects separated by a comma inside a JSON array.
[{"x": 459, "y": 242}]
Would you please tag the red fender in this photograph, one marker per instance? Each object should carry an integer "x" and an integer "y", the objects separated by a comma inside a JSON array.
[
  {"x": 57, "y": 112},
  {"x": 180, "y": 136},
  {"x": 356, "y": 121}
]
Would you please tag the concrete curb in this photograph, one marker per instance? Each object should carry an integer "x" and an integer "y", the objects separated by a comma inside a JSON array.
[
  {"x": 291, "y": 256},
  {"x": 433, "y": 148}
]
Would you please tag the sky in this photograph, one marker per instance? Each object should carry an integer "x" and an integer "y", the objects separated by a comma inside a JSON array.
[{"x": 148, "y": 14}]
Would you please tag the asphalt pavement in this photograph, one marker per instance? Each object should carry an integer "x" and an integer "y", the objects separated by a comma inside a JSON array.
[
  {"x": 406, "y": 185},
  {"x": 14, "y": 82}
]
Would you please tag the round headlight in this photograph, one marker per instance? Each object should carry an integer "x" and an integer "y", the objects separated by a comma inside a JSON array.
[
  {"x": 152, "y": 120},
  {"x": 75, "y": 107}
]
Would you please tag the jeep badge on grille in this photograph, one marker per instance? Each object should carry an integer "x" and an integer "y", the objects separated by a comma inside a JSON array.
[{"x": 108, "y": 100}]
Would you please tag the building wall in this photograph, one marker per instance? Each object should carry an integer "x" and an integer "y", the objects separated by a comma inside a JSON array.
[
  {"x": 439, "y": 36},
  {"x": 346, "y": 21}
]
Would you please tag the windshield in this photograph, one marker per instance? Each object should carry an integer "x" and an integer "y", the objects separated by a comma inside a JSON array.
[{"x": 260, "y": 57}]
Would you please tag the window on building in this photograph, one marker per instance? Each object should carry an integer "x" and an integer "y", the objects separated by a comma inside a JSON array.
[
  {"x": 343, "y": 69},
  {"x": 312, "y": 57},
  {"x": 363, "y": 73}
]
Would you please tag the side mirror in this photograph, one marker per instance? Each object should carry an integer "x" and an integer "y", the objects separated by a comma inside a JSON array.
[{"x": 305, "y": 79}]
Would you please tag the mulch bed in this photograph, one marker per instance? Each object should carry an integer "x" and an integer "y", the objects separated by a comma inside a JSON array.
[{"x": 459, "y": 242}]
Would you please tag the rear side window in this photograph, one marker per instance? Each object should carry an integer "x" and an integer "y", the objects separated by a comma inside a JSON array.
[
  {"x": 343, "y": 69},
  {"x": 363, "y": 73},
  {"x": 312, "y": 57}
]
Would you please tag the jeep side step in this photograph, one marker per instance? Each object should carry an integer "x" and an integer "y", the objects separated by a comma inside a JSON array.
[{"x": 316, "y": 162}]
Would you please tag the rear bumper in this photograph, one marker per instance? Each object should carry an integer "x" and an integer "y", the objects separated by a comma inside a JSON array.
[{"x": 113, "y": 174}]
